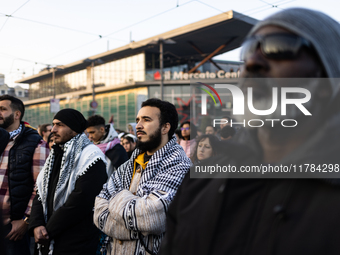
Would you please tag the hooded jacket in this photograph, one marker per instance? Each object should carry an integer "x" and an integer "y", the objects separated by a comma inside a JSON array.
[
  {"x": 113, "y": 150},
  {"x": 261, "y": 216},
  {"x": 270, "y": 216}
]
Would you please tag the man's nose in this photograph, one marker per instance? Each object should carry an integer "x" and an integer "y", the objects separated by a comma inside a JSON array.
[
  {"x": 256, "y": 62},
  {"x": 139, "y": 125}
]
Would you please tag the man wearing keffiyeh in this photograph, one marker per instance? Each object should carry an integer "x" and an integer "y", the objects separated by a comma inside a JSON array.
[
  {"x": 131, "y": 207},
  {"x": 74, "y": 172},
  {"x": 22, "y": 156}
]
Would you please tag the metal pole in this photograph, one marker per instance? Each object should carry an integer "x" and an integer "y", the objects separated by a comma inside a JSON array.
[
  {"x": 53, "y": 81},
  {"x": 92, "y": 73},
  {"x": 161, "y": 66}
]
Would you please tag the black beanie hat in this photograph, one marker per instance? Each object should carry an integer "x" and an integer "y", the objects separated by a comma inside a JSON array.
[{"x": 73, "y": 119}]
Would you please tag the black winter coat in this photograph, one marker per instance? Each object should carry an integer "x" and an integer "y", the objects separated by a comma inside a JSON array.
[
  {"x": 4, "y": 137},
  {"x": 71, "y": 226},
  {"x": 20, "y": 176}
]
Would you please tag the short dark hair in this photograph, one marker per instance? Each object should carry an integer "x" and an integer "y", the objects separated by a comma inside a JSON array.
[
  {"x": 16, "y": 104},
  {"x": 227, "y": 117},
  {"x": 193, "y": 129},
  {"x": 96, "y": 120},
  {"x": 43, "y": 127},
  {"x": 168, "y": 113},
  {"x": 227, "y": 131},
  {"x": 214, "y": 143}
]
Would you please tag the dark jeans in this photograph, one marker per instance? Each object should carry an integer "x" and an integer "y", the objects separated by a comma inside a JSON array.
[{"x": 20, "y": 247}]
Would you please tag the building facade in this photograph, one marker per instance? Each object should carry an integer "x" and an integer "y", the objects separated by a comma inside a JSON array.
[
  {"x": 17, "y": 91},
  {"x": 118, "y": 81}
]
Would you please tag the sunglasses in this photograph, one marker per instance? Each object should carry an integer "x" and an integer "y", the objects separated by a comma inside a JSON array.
[
  {"x": 185, "y": 128},
  {"x": 274, "y": 46}
]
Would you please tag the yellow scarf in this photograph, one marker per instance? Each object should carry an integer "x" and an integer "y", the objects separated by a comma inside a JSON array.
[{"x": 139, "y": 160}]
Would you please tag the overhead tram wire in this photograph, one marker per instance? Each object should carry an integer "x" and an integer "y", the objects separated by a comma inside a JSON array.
[
  {"x": 154, "y": 16},
  {"x": 56, "y": 26},
  {"x": 107, "y": 36},
  {"x": 8, "y": 16},
  {"x": 249, "y": 12},
  {"x": 121, "y": 29},
  {"x": 23, "y": 59},
  {"x": 274, "y": 5},
  {"x": 126, "y": 28}
]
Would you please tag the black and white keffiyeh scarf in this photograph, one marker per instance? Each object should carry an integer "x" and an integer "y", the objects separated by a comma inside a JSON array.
[
  {"x": 79, "y": 155},
  {"x": 15, "y": 132},
  {"x": 164, "y": 172}
]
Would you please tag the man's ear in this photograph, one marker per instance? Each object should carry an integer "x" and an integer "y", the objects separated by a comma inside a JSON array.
[
  {"x": 102, "y": 129},
  {"x": 166, "y": 128},
  {"x": 17, "y": 115}
]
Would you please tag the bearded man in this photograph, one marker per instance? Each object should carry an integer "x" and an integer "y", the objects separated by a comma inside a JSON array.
[
  {"x": 131, "y": 208},
  {"x": 292, "y": 212},
  {"x": 74, "y": 173},
  {"x": 23, "y": 156}
]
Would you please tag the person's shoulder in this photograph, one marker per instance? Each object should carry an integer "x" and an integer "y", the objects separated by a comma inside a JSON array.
[
  {"x": 44, "y": 145},
  {"x": 4, "y": 135},
  {"x": 183, "y": 142},
  {"x": 234, "y": 151},
  {"x": 91, "y": 148},
  {"x": 117, "y": 151},
  {"x": 30, "y": 134},
  {"x": 175, "y": 153},
  {"x": 90, "y": 156},
  {"x": 117, "y": 148}
]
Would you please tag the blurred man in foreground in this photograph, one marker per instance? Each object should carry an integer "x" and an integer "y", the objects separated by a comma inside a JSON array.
[{"x": 285, "y": 215}]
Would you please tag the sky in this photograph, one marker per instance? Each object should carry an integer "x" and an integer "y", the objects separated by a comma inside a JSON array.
[{"x": 38, "y": 33}]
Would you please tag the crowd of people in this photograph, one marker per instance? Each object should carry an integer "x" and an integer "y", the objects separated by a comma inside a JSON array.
[
  {"x": 80, "y": 186},
  {"x": 190, "y": 138}
]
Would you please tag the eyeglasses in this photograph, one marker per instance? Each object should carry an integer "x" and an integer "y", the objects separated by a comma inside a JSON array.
[
  {"x": 275, "y": 46},
  {"x": 187, "y": 128}
]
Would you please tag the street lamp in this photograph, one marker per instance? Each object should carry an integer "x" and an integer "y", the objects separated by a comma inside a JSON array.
[
  {"x": 93, "y": 62},
  {"x": 161, "y": 42},
  {"x": 54, "y": 69},
  {"x": 54, "y": 104}
]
